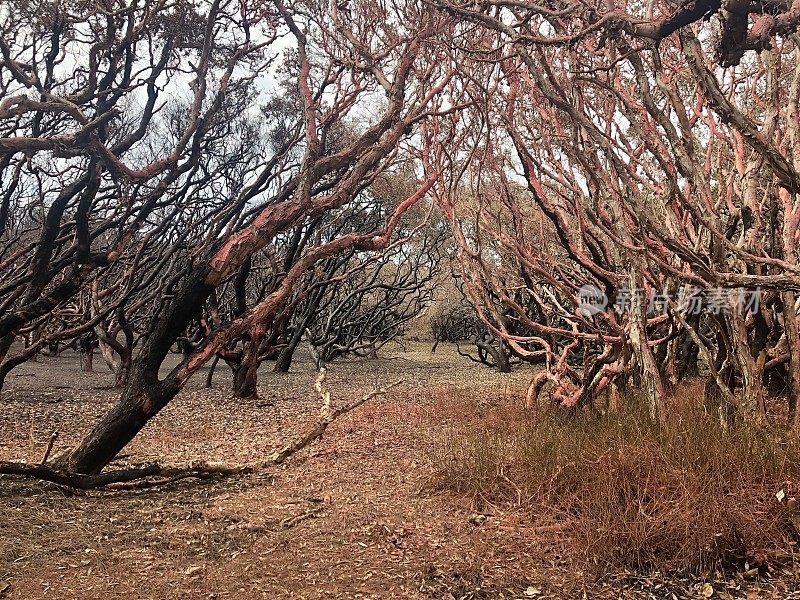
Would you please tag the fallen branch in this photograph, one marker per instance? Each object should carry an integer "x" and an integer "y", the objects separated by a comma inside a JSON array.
[
  {"x": 290, "y": 522},
  {"x": 200, "y": 470},
  {"x": 327, "y": 416}
]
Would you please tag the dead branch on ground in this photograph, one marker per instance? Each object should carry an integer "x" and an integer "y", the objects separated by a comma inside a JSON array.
[{"x": 156, "y": 474}]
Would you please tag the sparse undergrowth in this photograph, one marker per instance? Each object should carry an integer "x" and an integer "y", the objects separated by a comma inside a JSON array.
[
  {"x": 687, "y": 497},
  {"x": 344, "y": 519}
]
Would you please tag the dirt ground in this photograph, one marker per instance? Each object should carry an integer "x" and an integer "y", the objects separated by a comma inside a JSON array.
[{"x": 353, "y": 516}]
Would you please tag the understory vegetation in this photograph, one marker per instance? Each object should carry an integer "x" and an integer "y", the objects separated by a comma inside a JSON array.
[{"x": 627, "y": 493}]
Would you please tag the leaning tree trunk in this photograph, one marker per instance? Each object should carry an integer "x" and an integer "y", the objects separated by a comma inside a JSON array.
[
  {"x": 210, "y": 376},
  {"x": 284, "y": 360},
  {"x": 107, "y": 352},
  {"x": 286, "y": 355},
  {"x": 5, "y": 345},
  {"x": 497, "y": 353},
  {"x": 143, "y": 395},
  {"x": 142, "y": 398},
  {"x": 118, "y": 359}
]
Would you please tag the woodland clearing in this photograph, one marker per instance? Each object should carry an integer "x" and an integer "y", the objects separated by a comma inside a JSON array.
[{"x": 352, "y": 516}]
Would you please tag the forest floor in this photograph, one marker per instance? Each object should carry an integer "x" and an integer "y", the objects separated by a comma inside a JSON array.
[{"x": 352, "y": 516}]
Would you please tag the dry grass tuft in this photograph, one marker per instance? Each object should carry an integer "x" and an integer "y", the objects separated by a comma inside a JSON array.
[{"x": 687, "y": 497}]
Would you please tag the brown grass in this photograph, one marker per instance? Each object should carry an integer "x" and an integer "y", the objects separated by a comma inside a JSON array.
[{"x": 687, "y": 497}]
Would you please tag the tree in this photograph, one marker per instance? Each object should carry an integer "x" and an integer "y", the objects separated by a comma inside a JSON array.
[
  {"x": 411, "y": 75},
  {"x": 96, "y": 167},
  {"x": 647, "y": 175}
]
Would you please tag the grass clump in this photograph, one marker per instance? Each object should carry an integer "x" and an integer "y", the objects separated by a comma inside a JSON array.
[{"x": 683, "y": 497}]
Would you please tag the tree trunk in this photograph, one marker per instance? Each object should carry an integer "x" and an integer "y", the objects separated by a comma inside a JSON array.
[
  {"x": 30, "y": 340},
  {"x": 5, "y": 345},
  {"x": 87, "y": 355},
  {"x": 123, "y": 371},
  {"x": 284, "y": 360},
  {"x": 139, "y": 403},
  {"x": 210, "y": 376},
  {"x": 13, "y": 362},
  {"x": 793, "y": 341},
  {"x": 688, "y": 357},
  {"x": 245, "y": 375},
  {"x": 245, "y": 381},
  {"x": 108, "y": 356},
  {"x": 753, "y": 402},
  {"x": 144, "y": 395},
  {"x": 614, "y": 396},
  {"x": 645, "y": 362},
  {"x": 498, "y": 354}
]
